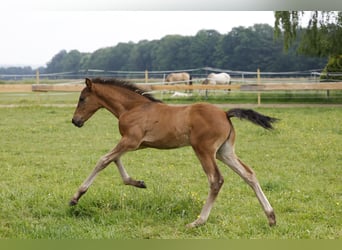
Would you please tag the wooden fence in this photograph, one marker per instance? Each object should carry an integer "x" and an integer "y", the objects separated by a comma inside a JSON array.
[
  {"x": 15, "y": 88},
  {"x": 258, "y": 88},
  {"x": 179, "y": 87}
]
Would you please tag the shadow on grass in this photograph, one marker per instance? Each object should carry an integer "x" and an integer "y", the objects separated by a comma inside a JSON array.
[{"x": 156, "y": 207}]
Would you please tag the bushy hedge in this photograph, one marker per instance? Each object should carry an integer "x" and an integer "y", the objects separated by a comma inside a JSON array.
[{"x": 333, "y": 70}]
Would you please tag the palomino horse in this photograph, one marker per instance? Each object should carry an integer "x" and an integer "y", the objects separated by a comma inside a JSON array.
[
  {"x": 217, "y": 79},
  {"x": 181, "y": 77},
  {"x": 147, "y": 122}
]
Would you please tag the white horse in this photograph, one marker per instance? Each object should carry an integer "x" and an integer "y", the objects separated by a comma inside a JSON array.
[{"x": 217, "y": 79}]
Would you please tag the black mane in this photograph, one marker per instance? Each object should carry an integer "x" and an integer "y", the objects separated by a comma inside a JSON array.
[{"x": 126, "y": 85}]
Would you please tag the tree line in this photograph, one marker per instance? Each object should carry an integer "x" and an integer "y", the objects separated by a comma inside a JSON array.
[{"x": 242, "y": 49}]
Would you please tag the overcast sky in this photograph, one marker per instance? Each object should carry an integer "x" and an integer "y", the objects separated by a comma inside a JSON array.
[
  {"x": 33, "y": 31},
  {"x": 34, "y": 37}
]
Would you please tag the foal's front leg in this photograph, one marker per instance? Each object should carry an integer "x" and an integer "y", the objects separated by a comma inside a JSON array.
[
  {"x": 123, "y": 146},
  {"x": 102, "y": 164},
  {"x": 127, "y": 180}
]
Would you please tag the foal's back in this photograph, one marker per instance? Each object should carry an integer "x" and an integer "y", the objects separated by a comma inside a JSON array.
[{"x": 167, "y": 127}]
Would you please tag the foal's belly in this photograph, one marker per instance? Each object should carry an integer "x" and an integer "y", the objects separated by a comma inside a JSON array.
[
  {"x": 166, "y": 140},
  {"x": 169, "y": 129}
]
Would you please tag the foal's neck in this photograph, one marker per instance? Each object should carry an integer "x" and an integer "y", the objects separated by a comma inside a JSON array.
[{"x": 118, "y": 100}]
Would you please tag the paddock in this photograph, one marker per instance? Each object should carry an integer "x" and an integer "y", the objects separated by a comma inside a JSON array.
[
  {"x": 43, "y": 153},
  {"x": 48, "y": 157}
]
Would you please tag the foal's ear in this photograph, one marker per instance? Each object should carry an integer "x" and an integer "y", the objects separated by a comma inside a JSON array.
[{"x": 88, "y": 82}]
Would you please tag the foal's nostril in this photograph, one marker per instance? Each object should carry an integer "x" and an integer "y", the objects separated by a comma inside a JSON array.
[{"x": 77, "y": 123}]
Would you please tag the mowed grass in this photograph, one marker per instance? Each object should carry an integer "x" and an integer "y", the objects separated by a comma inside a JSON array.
[{"x": 44, "y": 159}]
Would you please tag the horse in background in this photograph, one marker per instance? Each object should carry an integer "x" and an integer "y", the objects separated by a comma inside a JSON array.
[
  {"x": 217, "y": 79},
  {"x": 174, "y": 78}
]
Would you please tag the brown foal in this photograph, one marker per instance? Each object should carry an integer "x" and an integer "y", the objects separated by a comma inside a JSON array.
[{"x": 147, "y": 122}]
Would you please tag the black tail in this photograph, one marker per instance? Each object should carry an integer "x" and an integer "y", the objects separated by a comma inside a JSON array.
[{"x": 252, "y": 116}]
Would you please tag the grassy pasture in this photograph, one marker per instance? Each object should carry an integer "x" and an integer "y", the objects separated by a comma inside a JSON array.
[{"x": 43, "y": 160}]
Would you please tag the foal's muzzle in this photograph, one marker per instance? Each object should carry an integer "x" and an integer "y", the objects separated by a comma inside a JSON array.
[{"x": 77, "y": 123}]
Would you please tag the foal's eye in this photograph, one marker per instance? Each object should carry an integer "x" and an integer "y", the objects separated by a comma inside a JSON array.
[{"x": 82, "y": 99}]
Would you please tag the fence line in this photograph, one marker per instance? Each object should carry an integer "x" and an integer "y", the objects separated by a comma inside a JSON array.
[
  {"x": 178, "y": 87},
  {"x": 244, "y": 88},
  {"x": 201, "y": 72},
  {"x": 256, "y": 82}
]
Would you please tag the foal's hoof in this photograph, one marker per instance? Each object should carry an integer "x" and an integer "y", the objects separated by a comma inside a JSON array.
[
  {"x": 141, "y": 184},
  {"x": 272, "y": 224},
  {"x": 72, "y": 203},
  {"x": 196, "y": 223},
  {"x": 272, "y": 219}
]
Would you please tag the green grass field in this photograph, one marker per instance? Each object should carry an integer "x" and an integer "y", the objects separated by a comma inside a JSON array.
[{"x": 44, "y": 158}]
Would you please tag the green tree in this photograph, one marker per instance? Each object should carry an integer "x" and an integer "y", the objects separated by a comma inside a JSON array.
[
  {"x": 65, "y": 62},
  {"x": 99, "y": 59},
  {"x": 71, "y": 61},
  {"x": 55, "y": 65},
  {"x": 203, "y": 48},
  {"x": 249, "y": 48},
  {"x": 85, "y": 61},
  {"x": 119, "y": 57},
  {"x": 322, "y": 36},
  {"x": 17, "y": 70},
  {"x": 333, "y": 69},
  {"x": 172, "y": 53},
  {"x": 141, "y": 55}
]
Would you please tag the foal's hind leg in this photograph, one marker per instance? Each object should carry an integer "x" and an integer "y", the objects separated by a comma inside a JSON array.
[
  {"x": 226, "y": 155},
  {"x": 215, "y": 179},
  {"x": 123, "y": 146}
]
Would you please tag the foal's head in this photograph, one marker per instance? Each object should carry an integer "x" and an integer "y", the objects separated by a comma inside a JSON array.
[{"x": 88, "y": 104}]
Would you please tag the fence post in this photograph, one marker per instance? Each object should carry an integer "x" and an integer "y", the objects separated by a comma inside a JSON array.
[
  {"x": 258, "y": 83},
  {"x": 37, "y": 76},
  {"x": 37, "y": 82},
  {"x": 146, "y": 76}
]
